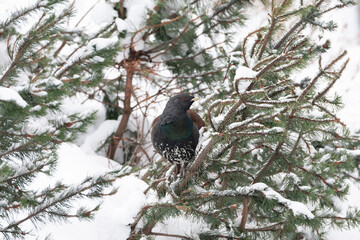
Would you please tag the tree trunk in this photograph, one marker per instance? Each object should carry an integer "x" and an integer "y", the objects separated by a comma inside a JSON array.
[{"x": 130, "y": 69}]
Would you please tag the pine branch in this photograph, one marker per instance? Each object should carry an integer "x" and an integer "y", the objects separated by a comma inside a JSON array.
[
  {"x": 230, "y": 114},
  {"x": 244, "y": 45},
  {"x": 331, "y": 114},
  {"x": 320, "y": 74},
  {"x": 274, "y": 227},
  {"x": 194, "y": 166},
  {"x": 25, "y": 12},
  {"x": 321, "y": 94},
  {"x": 295, "y": 27},
  {"x": 322, "y": 179},
  {"x": 267, "y": 37},
  {"x": 30, "y": 169},
  {"x": 245, "y": 213},
  {"x": 35, "y": 35},
  {"x": 167, "y": 235},
  {"x": 212, "y": 106},
  {"x": 65, "y": 196}
]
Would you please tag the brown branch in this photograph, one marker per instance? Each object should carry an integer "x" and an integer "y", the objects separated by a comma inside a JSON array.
[
  {"x": 228, "y": 172},
  {"x": 213, "y": 106},
  {"x": 319, "y": 176},
  {"x": 264, "y": 61},
  {"x": 288, "y": 34},
  {"x": 121, "y": 10},
  {"x": 277, "y": 150},
  {"x": 130, "y": 69},
  {"x": 293, "y": 29},
  {"x": 22, "y": 233},
  {"x": 147, "y": 229},
  {"x": 267, "y": 37},
  {"x": 230, "y": 114},
  {"x": 245, "y": 213},
  {"x": 295, "y": 145},
  {"x": 173, "y": 42},
  {"x": 334, "y": 116},
  {"x": 29, "y": 172},
  {"x": 87, "y": 12},
  {"x": 332, "y": 83},
  {"x": 270, "y": 65},
  {"x": 268, "y": 164},
  {"x": 24, "y": 13},
  {"x": 253, "y": 133},
  {"x": 316, "y": 78},
  {"x": 60, "y": 48},
  {"x": 157, "y": 25},
  {"x": 169, "y": 235},
  {"x": 314, "y": 120},
  {"x": 195, "y": 166},
  {"x": 244, "y": 44},
  {"x": 355, "y": 178},
  {"x": 267, "y": 228}
]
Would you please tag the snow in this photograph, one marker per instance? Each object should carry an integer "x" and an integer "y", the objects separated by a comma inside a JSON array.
[
  {"x": 94, "y": 44},
  {"x": 247, "y": 121},
  {"x": 182, "y": 226},
  {"x": 54, "y": 82},
  {"x": 136, "y": 12},
  {"x": 98, "y": 16},
  {"x": 297, "y": 208},
  {"x": 100, "y": 43},
  {"x": 75, "y": 163},
  {"x": 243, "y": 77},
  {"x": 35, "y": 109},
  {"x": 245, "y": 72},
  {"x": 117, "y": 211},
  {"x": 121, "y": 24},
  {"x": 37, "y": 126},
  {"x": 134, "y": 21},
  {"x": 95, "y": 139},
  {"x": 10, "y": 95}
]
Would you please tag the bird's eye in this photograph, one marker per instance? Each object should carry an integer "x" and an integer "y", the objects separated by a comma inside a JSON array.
[{"x": 184, "y": 99}]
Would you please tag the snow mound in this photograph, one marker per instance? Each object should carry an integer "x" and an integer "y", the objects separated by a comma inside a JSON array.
[{"x": 10, "y": 95}]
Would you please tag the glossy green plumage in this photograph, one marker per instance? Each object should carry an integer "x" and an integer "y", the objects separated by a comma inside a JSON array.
[
  {"x": 179, "y": 129},
  {"x": 174, "y": 134}
]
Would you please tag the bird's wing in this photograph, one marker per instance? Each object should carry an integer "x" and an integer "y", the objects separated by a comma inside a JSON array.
[
  {"x": 193, "y": 115},
  {"x": 196, "y": 119},
  {"x": 155, "y": 120}
]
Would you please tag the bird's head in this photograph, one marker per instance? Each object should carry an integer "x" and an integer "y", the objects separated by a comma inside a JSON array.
[{"x": 180, "y": 102}]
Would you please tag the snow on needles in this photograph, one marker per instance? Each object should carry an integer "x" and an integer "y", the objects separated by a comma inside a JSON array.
[
  {"x": 245, "y": 72},
  {"x": 10, "y": 95},
  {"x": 244, "y": 77},
  {"x": 297, "y": 208},
  {"x": 117, "y": 212},
  {"x": 94, "y": 45},
  {"x": 136, "y": 13},
  {"x": 100, "y": 43}
]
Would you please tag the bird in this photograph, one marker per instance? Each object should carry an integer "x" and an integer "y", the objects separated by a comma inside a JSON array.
[{"x": 175, "y": 133}]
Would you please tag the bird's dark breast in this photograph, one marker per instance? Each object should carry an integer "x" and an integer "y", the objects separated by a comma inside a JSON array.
[
  {"x": 176, "y": 141},
  {"x": 177, "y": 130}
]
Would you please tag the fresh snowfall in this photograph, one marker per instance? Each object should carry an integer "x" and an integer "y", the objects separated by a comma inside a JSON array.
[{"x": 80, "y": 159}]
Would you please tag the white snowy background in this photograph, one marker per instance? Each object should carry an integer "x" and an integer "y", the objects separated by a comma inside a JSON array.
[{"x": 78, "y": 160}]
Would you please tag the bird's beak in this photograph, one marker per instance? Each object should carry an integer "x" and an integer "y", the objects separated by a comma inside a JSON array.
[{"x": 195, "y": 99}]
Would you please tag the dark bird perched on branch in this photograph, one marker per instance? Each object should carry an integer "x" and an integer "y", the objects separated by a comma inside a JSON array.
[{"x": 175, "y": 133}]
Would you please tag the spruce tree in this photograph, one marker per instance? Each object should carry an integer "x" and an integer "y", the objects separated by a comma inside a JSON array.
[
  {"x": 33, "y": 83},
  {"x": 165, "y": 51},
  {"x": 274, "y": 158}
]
